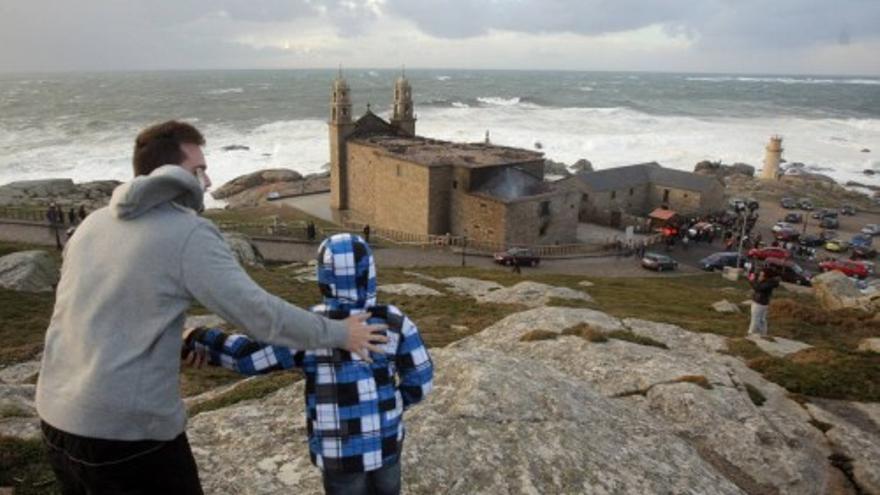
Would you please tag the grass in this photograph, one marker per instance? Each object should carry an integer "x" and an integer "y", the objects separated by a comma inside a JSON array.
[
  {"x": 535, "y": 335},
  {"x": 13, "y": 411},
  {"x": 586, "y": 332},
  {"x": 257, "y": 388},
  {"x": 628, "y": 336},
  {"x": 24, "y": 317},
  {"x": 24, "y": 466}
]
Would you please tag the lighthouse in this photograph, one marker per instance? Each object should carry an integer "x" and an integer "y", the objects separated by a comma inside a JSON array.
[{"x": 772, "y": 159}]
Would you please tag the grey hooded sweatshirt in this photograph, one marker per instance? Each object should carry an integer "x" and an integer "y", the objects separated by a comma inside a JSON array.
[{"x": 112, "y": 356}]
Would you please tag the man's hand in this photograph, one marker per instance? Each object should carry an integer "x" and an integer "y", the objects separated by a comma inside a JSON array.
[
  {"x": 192, "y": 358},
  {"x": 363, "y": 338}
]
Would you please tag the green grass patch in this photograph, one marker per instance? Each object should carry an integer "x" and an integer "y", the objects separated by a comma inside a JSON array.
[
  {"x": 628, "y": 336},
  {"x": 745, "y": 349},
  {"x": 257, "y": 388},
  {"x": 24, "y": 317},
  {"x": 24, "y": 466},
  {"x": 570, "y": 303},
  {"x": 13, "y": 411},
  {"x": 755, "y": 395},
  {"x": 196, "y": 381},
  {"x": 827, "y": 373}
]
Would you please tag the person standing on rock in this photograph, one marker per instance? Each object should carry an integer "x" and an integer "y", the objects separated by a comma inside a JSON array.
[
  {"x": 354, "y": 410},
  {"x": 108, "y": 393},
  {"x": 763, "y": 286}
]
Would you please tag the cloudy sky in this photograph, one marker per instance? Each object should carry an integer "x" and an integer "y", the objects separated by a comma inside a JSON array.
[{"x": 753, "y": 36}]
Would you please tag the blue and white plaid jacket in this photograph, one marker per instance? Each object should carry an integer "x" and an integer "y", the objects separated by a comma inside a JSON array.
[{"x": 354, "y": 409}]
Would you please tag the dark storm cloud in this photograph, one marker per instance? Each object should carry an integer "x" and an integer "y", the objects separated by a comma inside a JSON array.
[{"x": 714, "y": 22}]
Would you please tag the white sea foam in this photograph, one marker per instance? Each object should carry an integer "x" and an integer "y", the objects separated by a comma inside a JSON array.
[
  {"x": 224, "y": 91},
  {"x": 586, "y": 88},
  {"x": 458, "y": 104},
  {"x": 499, "y": 101},
  {"x": 443, "y": 78},
  {"x": 606, "y": 136},
  {"x": 783, "y": 80}
]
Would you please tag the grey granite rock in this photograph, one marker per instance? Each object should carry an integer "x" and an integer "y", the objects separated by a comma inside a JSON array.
[{"x": 29, "y": 271}]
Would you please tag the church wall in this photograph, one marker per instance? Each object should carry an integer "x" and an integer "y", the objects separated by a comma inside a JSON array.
[
  {"x": 481, "y": 218},
  {"x": 440, "y": 200},
  {"x": 388, "y": 192},
  {"x": 683, "y": 201}
]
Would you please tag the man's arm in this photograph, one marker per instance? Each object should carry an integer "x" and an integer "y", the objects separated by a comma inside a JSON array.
[
  {"x": 212, "y": 276},
  {"x": 413, "y": 364},
  {"x": 239, "y": 353}
]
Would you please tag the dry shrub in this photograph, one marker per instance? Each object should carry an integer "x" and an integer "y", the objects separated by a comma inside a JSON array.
[
  {"x": 538, "y": 335},
  {"x": 815, "y": 355},
  {"x": 813, "y": 314},
  {"x": 586, "y": 332}
]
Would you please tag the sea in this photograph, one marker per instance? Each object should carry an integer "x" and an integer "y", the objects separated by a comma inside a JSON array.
[{"x": 82, "y": 125}]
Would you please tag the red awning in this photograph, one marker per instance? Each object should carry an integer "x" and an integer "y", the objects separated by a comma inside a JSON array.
[{"x": 662, "y": 214}]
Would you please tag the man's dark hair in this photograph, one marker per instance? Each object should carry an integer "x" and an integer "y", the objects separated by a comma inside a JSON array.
[{"x": 159, "y": 145}]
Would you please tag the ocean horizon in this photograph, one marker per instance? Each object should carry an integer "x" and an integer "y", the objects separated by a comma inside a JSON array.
[{"x": 81, "y": 125}]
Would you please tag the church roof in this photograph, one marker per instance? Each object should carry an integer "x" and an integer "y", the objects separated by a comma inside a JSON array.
[
  {"x": 435, "y": 153},
  {"x": 611, "y": 179},
  {"x": 512, "y": 183}
]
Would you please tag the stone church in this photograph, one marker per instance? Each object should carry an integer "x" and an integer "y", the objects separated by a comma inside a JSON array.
[{"x": 385, "y": 175}]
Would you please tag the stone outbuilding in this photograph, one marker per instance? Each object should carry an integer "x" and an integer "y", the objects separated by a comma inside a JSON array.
[
  {"x": 611, "y": 196},
  {"x": 383, "y": 174}
]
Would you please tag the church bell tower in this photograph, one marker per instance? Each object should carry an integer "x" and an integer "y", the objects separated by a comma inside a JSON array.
[
  {"x": 341, "y": 127},
  {"x": 402, "y": 116}
]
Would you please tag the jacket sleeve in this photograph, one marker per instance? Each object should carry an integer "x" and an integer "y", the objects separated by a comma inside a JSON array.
[
  {"x": 414, "y": 365},
  {"x": 212, "y": 276},
  {"x": 241, "y": 354}
]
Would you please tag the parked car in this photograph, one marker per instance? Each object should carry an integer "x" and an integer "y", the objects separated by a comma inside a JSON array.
[
  {"x": 805, "y": 204},
  {"x": 829, "y": 223},
  {"x": 522, "y": 256},
  {"x": 811, "y": 240},
  {"x": 788, "y": 203},
  {"x": 847, "y": 267},
  {"x": 823, "y": 213},
  {"x": 659, "y": 262},
  {"x": 790, "y": 272},
  {"x": 861, "y": 240},
  {"x": 794, "y": 218},
  {"x": 871, "y": 229},
  {"x": 768, "y": 252},
  {"x": 848, "y": 210},
  {"x": 787, "y": 234},
  {"x": 836, "y": 245},
  {"x": 828, "y": 234},
  {"x": 717, "y": 261},
  {"x": 778, "y": 226},
  {"x": 863, "y": 253}
]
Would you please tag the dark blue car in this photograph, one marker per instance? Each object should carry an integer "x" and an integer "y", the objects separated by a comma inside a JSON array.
[{"x": 717, "y": 261}]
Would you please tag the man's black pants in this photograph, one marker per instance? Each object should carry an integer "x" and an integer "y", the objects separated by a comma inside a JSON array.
[{"x": 93, "y": 466}]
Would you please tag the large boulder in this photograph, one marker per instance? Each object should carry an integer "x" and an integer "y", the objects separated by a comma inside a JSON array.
[
  {"x": 18, "y": 415},
  {"x": 834, "y": 290},
  {"x": 29, "y": 271},
  {"x": 563, "y": 414},
  {"x": 244, "y": 250},
  {"x": 61, "y": 191},
  {"x": 256, "y": 179}
]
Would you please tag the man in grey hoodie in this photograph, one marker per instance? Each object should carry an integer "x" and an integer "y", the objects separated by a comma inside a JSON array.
[{"x": 108, "y": 392}]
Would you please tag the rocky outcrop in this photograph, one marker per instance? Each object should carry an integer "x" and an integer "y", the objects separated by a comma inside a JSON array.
[
  {"x": 560, "y": 415},
  {"x": 852, "y": 429},
  {"x": 834, "y": 290},
  {"x": 527, "y": 293},
  {"x": 254, "y": 189},
  {"x": 778, "y": 346},
  {"x": 62, "y": 191},
  {"x": 18, "y": 415},
  {"x": 725, "y": 306},
  {"x": 721, "y": 171},
  {"x": 20, "y": 373},
  {"x": 29, "y": 271},
  {"x": 244, "y": 250},
  {"x": 256, "y": 179},
  {"x": 870, "y": 345}
]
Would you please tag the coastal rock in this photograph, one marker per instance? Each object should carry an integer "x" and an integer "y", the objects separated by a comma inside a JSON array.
[
  {"x": 236, "y": 147},
  {"x": 871, "y": 344},
  {"x": 778, "y": 346},
  {"x": 582, "y": 165},
  {"x": 834, "y": 290},
  {"x": 409, "y": 290},
  {"x": 29, "y": 271},
  {"x": 244, "y": 195},
  {"x": 866, "y": 150},
  {"x": 869, "y": 171},
  {"x": 854, "y": 435},
  {"x": 62, "y": 191},
  {"x": 244, "y": 250},
  {"x": 528, "y": 293},
  {"x": 555, "y": 168},
  {"x": 18, "y": 416},
  {"x": 721, "y": 171},
  {"x": 256, "y": 179},
  {"x": 20, "y": 373},
  {"x": 725, "y": 306}
]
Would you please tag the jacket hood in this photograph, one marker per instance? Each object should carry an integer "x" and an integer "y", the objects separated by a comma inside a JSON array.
[
  {"x": 347, "y": 272},
  {"x": 165, "y": 184}
]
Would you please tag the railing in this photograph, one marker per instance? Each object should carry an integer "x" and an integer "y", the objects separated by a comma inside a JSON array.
[{"x": 23, "y": 214}]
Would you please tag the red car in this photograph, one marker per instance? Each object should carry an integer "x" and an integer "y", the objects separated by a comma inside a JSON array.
[
  {"x": 847, "y": 267},
  {"x": 768, "y": 252}
]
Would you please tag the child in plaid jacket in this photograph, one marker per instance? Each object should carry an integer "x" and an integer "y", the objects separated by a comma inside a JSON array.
[{"x": 354, "y": 409}]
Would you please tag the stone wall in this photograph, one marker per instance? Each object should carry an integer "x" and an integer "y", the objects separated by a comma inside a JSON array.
[
  {"x": 683, "y": 201},
  {"x": 481, "y": 218},
  {"x": 546, "y": 219}
]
